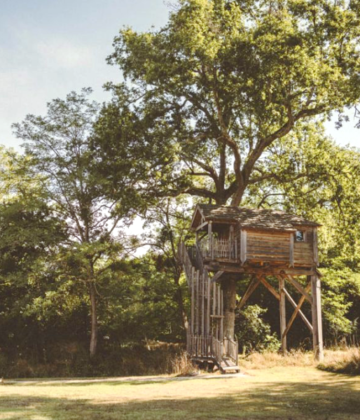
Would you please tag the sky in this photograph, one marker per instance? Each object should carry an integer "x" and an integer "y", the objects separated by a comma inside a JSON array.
[{"x": 51, "y": 47}]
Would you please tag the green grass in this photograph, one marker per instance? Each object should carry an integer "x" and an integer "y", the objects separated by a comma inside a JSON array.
[{"x": 273, "y": 393}]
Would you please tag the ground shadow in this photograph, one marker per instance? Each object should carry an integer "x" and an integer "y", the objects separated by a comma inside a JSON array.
[{"x": 338, "y": 399}]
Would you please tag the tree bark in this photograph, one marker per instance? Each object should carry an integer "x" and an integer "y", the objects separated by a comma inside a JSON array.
[
  {"x": 94, "y": 323},
  {"x": 229, "y": 288},
  {"x": 180, "y": 302}
]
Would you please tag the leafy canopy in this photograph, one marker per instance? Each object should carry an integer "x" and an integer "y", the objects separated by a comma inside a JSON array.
[{"x": 224, "y": 80}]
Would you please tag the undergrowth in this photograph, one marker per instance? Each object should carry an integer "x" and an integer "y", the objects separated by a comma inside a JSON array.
[{"x": 342, "y": 361}]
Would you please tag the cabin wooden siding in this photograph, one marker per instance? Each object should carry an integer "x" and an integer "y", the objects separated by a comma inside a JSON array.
[
  {"x": 268, "y": 246},
  {"x": 304, "y": 254}
]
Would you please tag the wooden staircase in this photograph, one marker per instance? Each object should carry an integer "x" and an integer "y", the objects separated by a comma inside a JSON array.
[
  {"x": 227, "y": 365},
  {"x": 205, "y": 340}
]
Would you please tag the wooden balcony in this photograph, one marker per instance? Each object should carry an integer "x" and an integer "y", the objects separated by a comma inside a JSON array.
[{"x": 259, "y": 247}]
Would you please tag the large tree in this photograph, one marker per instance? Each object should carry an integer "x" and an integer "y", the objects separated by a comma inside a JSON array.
[
  {"x": 59, "y": 146},
  {"x": 225, "y": 80}
]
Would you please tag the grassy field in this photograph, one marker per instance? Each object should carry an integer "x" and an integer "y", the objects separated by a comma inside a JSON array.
[{"x": 285, "y": 392}]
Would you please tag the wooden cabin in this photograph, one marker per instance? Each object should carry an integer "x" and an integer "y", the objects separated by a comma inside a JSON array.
[{"x": 254, "y": 242}]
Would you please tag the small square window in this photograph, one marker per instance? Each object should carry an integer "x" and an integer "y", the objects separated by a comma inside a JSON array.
[{"x": 300, "y": 236}]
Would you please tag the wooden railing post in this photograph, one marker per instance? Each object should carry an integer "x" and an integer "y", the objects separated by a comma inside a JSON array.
[{"x": 211, "y": 244}]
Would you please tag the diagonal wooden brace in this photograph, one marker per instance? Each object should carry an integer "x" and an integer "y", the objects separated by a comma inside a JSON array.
[
  {"x": 297, "y": 311},
  {"x": 270, "y": 288},
  {"x": 253, "y": 284},
  {"x": 298, "y": 287}
]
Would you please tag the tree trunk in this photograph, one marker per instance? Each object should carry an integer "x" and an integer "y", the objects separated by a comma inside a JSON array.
[
  {"x": 229, "y": 288},
  {"x": 180, "y": 302},
  {"x": 94, "y": 324}
]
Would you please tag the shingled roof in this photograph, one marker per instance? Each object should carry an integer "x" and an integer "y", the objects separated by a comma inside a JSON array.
[{"x": 252, "y": 218}]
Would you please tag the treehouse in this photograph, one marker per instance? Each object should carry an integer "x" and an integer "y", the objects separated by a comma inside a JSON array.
[{"x": 233, "y": 242}]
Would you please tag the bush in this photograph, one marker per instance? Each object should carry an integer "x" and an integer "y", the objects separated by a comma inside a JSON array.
[
  {"x": 253, "y": 333},
  {"x": 72, "y": 360}
]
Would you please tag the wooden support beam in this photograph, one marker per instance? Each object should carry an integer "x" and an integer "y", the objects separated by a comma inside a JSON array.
[
  {"x": 231, "y": 240},
  {"x": 297, "y": 311},
  {"x": 317, "y": 318},
  {"x": 282, "y": 315},
  {"x": 208, "y": 303},
  {"x": 243, "y": 246},
  {"x": 292, "y": 250},
  {"x": 298, "y": 272},
  {"x": 299, "y": 287},
  {"x": 203, "y": 278},
  {"x": 201, "y": 226},
  {"x": 217, "y": 276},
  {"x": 253, "y": 284},
  {"x": 197, "y": 303},
  {"x": 214, "y": 299},
  {"x": 298, "y": 307},
  {"x": 193, "y": 301},
  {"x": 222, "y": 315},
  {"x": 269, "y": 287},
  {"x": 211, "y": 242},
  {"x": 315, "y": 249}
]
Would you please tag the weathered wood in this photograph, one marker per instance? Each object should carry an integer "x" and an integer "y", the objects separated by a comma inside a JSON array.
[
  {"x": 208, "y": 304},
  {"x": 197, "y": 303},
  {"x": 292, "y": 261},
  {"x": 294, "y": 315},
  {"x": 251, "y": 250},
  {"x": 222, "y": 314},
  {"x": 214, "y": 300},
  {"x": 192, "y": 300},
  {"x": 317, "y": 318},
  {"x": 298, "y": 310},
  {"x": 203, "y": 305},
  {"x": 269, "y": 287},
  {"x": 315, "y": 247},
  {"x": 253, "y": 284},
  {"x": 210, "y": 234},
  {"x": 231, "y": 240},
  {"x": 243, "y": 240},
  {"x": 201, "y": 226},
  {"x": 217, "y": 276},
  {"x": 282, "y": 315},
  {"x": 299, "y": 288}
]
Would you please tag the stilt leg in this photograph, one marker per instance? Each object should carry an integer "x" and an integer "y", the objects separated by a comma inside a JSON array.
[
  {"x": 282, "y": 314},
  {"x": 317, "y": 318}
]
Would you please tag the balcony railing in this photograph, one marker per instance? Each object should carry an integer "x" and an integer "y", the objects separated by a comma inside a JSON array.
[{"x": 219, "y": 248}]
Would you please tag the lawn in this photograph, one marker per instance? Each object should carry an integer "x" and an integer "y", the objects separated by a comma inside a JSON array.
[{"x": 272, "y": 393}]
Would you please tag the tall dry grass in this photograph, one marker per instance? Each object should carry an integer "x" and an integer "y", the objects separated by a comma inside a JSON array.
[
  {"x": 346, "y": 360},
  {"x": 267, "y": 360},
  {"x": 183, "y": 366},
  {"x": 342, "y": 361}
]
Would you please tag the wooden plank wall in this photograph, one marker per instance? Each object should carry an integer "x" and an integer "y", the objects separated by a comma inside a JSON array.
[
  {"x": 268, "y": 246},
  {"x": 304, "y": 251}
]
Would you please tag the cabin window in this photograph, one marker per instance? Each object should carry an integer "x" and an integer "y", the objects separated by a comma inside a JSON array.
[{"x": 300, "y": 236}]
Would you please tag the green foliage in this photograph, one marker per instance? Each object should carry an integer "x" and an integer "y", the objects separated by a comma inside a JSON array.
[
  {"x": 225, "y": 103},
  {"x": 224, "y": 81},
  {"x": 253, "y": 333}
]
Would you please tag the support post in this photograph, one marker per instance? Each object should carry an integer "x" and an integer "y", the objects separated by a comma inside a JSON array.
[
  {"x": 211, "y": 242},
  {"x": 243, "y": 246},
  {"x": 282, "y": 314},
  {"x": 292, "y": 261},
  {"x": 317, "y": 318}
]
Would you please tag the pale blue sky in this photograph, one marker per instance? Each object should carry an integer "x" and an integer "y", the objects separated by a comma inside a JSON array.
[{"x": 50, "y": 47}]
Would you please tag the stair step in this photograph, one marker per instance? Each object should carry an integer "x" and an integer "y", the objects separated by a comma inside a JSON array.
[{"x": 230, "y": 368}]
